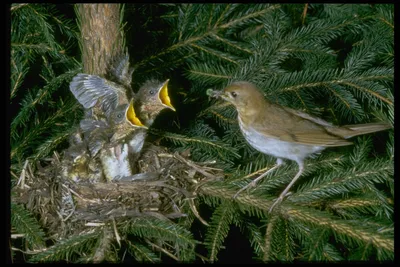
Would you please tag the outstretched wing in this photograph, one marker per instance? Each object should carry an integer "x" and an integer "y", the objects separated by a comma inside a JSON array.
[
  {"x": 88, "y": 89},
  {"x": 120, "y": 70}
]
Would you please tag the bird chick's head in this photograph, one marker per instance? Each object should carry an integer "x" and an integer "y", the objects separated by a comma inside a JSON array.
[
  {"x": 151, "y": 99},
  {"x": 154, "y": 94},
  {"x": 245, "y": 96},
  {"x": 124, "y": 117}
]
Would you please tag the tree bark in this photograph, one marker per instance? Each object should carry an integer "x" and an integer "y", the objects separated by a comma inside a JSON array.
[{"x": 101, "y": 33}]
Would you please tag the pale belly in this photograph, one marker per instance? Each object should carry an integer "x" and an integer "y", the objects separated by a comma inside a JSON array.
[
  {"x": 115, "y": 167},
  {"x": 116, "y": 159},
  {"x": 280, "y": 149}
]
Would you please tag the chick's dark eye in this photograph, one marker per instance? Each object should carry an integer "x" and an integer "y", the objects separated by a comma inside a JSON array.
[
  {"x": 234, "y": 94},
  {"x": 151, "y": 92},
  {"x": 119, "y": 116}
]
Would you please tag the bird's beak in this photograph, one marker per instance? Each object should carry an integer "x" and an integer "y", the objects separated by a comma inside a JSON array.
[
  {"x": 164, "y": 97},
  {"x": 224, "y": 96},
  {"x": 215, "y": 93},
  {"x": 131, "y": 117}
]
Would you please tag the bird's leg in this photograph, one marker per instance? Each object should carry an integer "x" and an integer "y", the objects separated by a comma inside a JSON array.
[
  {"x": 283, "y": 194},
  {"x": 279, "y": 162}
]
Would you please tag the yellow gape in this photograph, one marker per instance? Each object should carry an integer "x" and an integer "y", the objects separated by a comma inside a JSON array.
[
  {"x": 164, "y": 97},
  {"x": 130, "y": 115}
]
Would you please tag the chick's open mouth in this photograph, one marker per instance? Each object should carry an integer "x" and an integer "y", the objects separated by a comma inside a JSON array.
[{"x": 164, "y": 97}]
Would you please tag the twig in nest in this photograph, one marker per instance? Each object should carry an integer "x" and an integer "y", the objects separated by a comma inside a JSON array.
[
  {"x": 117, "y": 236},
  {"x": 161, "y": 184},
  {"x": 76, "y": 194},
  {"x": 94, "y": 224},
  {"x": 195, "y": 212},
  {"x": 57, "y": 157},
  {"x": 15, "y": 236},
  {"x": 21, "y": 179},
  {"x": 194, "y": 166},
  {"x": 156, "y": 215},
  {"x": 158, "y": 166},
  {"x": 13, "y": 174},
  {"x": 73, "y": 204},
  {"x": 162, "y": 250}
]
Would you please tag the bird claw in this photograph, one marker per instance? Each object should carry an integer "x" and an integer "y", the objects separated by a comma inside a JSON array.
[
  {"x": 249, "y": 185},
  {"x": 252, "y": 183},
  {"x": 276, "y": 202},
  {"x": 237, "y": 193}
]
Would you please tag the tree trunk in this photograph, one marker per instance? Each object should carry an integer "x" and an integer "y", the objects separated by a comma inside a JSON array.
[{"x": 102, "y": 36}]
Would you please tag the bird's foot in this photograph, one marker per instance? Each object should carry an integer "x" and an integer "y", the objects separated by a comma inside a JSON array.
[
  {"x": 238, "y": 192},
  {"x": 276, "y": 202},
  {"x": 249, "y": 185}
]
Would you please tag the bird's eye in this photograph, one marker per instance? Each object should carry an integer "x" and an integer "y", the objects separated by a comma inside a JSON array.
[
  {"x": 234, "y": 94},
  {"x": 151, "y": 92},
  {"x": 119, "y": 116}
]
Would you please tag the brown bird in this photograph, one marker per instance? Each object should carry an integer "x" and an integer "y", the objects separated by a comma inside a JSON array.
[{"x": 283, "y": 132}]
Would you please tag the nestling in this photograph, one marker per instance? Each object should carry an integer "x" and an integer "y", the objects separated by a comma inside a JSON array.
[{"x": 112, "y": 125}]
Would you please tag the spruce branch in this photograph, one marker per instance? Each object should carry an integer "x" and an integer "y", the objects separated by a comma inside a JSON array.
[
  {"x": 348, "y": 229},
  {"x": 218, "y": 230},
  {"x": 161, "y": 230},
  {"x": 27, "y": 225},
  {"x": 211, "y": 31},
  {"x": 142, "y": 253},
  {"x": 68, "y": 249},
  {"x": 220, "y": 148}
]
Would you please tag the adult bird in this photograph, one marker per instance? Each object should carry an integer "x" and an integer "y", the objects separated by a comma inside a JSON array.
[{"x": 283, "y": 132}]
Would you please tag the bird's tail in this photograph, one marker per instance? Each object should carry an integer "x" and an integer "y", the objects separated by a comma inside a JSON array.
[{"x": 359, "y": 129}]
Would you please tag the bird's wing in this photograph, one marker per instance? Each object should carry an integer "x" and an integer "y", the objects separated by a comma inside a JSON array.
[
  {"x": 89, "y": 125},
  {"x": 308, "y": 117},
  {"x": 289, "y": 127},
  {"x": 88, "y": 89},
  {"x": 314, "y": 137},
  {"x": 120, "y": 69}
]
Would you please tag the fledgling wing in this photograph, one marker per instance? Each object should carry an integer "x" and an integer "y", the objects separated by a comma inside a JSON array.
[
  {"x": 89, "y": 125},
  {"x": 95, "y": 132},
  {"x": 120, "y": 70},
  {"x": 89, "y": 89},
  {"x": 95, "y": 144}
]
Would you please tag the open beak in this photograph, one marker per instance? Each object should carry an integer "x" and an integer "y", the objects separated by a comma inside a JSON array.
[
  {"x": 131, "y": 117},
  {"x": 164, "y": 97}
]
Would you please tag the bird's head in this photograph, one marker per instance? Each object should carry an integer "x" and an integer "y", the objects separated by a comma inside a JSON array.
[
  {"x": 152, "y": 98},
  {"x": 124, "y": 116},
  {"x": 245, "y": 96},
  {"x": 154, "y": 95}
]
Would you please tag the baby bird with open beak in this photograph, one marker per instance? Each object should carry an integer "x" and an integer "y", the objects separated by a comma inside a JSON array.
[{"x": 112, "y": 125}]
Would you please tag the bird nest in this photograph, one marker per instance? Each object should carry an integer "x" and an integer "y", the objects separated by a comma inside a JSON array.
[{"x": 67, "y": 207}]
